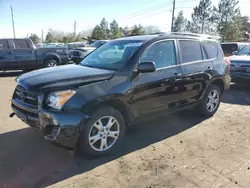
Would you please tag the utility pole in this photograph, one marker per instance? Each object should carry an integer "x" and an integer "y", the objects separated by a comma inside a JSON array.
[
  {"x": 172, "y": 24},
  {"x": 42, "y": 36},
  {"x": 75, "y": 28},
  {"x": 13, "y": 24}
]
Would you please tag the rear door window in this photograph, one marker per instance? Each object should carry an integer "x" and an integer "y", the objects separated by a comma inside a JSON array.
[
  {"x": 20, "y": 44},
  {"x": 190, "y": 51},
  {"x": 4, "y": 45}
]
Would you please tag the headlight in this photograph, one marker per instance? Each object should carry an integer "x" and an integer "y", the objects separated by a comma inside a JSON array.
[{"x": 56, "y": 100}]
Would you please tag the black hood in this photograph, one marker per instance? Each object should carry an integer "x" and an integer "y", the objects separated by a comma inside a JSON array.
[{"x": 62, "y": 76}]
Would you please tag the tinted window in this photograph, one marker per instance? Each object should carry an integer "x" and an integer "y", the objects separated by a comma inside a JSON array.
[
  {"x": 229, "y": 48},
  {"x": 3, "y": 45},
  {"x": 162, "y": 53},
  {"x": 211, "y": 49},
  {"x": 190, "y": 51},
  {"x": 21, "y": 44}
]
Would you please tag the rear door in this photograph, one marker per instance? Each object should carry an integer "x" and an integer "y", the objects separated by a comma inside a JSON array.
[
  {"x": 196, "y": 69},
  {"x": 158, "y": 92},
  {"x": 23, "y": 54},
  {"x": 6, "y": 55}
]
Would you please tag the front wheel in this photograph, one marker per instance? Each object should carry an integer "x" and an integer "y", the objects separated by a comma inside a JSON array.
[
  {"x": 211, "y": 101},
  {"x": 103, "y": 133}
]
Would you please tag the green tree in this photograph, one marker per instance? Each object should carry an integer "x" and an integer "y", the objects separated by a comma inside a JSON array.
[
  {"x": 115, "y": 31},
  {"x": 34, "y": 38},
  {"x": 97, "y": 33},
  {"x": 49, "y": 38},
  {"x": 202, "y": 19},
  {"x": 151, "y": 29},
  {"x": 227, "y": 13},
  {"x": 245, "y": 26},
  {"x": 179, "y": 23},
  {"x": 126, "y": 31},
  {"x": 105, "y": 29},
  {"x": 137, "y": 30}
]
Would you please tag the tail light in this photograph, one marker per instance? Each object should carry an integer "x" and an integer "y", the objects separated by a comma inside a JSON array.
[{"x": 227, "y": 61}]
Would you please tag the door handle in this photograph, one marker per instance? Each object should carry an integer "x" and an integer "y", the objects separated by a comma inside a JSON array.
[
  {"x": 177, "y": 74},
  {"x": 210, "y": 68}
]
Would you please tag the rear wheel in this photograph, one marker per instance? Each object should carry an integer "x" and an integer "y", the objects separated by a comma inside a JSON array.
[
  {"x": 51, "y": 63},
  {"x": 102, "y": 133},
  {"x": 211, "y": 101}
]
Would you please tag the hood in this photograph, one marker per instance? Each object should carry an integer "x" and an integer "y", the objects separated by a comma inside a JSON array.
[
  {"x": 61, "y": 77},
  {"x": 239, "y": 58}
]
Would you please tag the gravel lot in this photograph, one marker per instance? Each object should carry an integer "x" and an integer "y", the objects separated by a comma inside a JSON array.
[{"x": 180, "y": 150}]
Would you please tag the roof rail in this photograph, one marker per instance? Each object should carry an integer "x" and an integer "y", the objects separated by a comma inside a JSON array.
[{"x": 192, "y": 35}]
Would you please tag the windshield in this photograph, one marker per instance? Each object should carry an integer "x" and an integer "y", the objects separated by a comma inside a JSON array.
[
  {"x": 112, "y": 55},
  {"x": 244, "y": 51}
]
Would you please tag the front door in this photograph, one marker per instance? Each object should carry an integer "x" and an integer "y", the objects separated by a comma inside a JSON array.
[{"x": 159, "y": 91}]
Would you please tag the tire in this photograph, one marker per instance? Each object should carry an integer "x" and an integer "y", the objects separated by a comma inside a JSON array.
[
  {"x": 51, "y": 63},
  {"x": 213, "y": 97},
  {"x": 96, "y": 147}
]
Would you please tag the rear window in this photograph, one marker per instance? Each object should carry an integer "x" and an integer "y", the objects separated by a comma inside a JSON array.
[
  {"x": 229, "y": 48},
  {"x": 3, "y": 45},
  {"x": 190, "y": 51},
  {"x": 210, "y": 48},
  {"x": 19, "y": 44}
]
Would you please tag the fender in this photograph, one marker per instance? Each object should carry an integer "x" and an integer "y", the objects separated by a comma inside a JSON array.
[
  {"x": 218, "y": 81},
  {"x": 52, "y": 55}
]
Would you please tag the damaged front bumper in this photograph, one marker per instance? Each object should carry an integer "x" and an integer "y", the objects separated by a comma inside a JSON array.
[{"x": 59, "y": 127}]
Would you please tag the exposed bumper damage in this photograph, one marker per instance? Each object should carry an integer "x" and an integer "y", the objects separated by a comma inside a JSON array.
[
  {"x": 62, "y": 127},
  {"x": 59, "y": 127}
]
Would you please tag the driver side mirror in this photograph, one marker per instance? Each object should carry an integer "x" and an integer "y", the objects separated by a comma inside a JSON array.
[
  {"x": 234, "y": 52},
  {"x": 145, "y": 67}
]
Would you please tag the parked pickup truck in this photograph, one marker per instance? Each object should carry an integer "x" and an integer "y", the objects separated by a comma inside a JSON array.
[{"x": 21, "y": 54}]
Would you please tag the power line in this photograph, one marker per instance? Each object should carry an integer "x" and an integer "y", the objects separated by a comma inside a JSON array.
[
  {"x": 172, "y": 24},
  {"x": 13, "y": 24},
  {"x": 149, "y": 9}
]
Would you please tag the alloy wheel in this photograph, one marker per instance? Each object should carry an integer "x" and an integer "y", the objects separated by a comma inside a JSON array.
[
  {"x": 52, "y": 63},
  {"x": 104, "y": 133},
  {"x": 213, "y": 100}
]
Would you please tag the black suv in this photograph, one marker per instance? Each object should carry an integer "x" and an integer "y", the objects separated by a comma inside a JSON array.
[{"x": 125, "y": 81}]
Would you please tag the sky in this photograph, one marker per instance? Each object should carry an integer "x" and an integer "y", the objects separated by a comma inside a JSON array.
[{"x": 33, "y": 16}]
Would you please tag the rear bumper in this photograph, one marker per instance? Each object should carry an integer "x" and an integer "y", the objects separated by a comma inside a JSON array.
[{"x": 59, "y": 127}]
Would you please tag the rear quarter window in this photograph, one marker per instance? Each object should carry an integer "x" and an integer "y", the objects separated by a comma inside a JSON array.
[{"x": 211, "y": 49}]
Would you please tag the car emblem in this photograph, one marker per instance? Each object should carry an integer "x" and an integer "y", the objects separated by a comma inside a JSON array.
[
  {"x": 22, "y": 96},
  {"x": 237, "y": 65}
]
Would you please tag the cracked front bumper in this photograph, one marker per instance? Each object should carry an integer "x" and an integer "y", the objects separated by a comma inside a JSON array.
[
  {"x": 62, "y": 127},
  {"x": 58, "y": 127}
]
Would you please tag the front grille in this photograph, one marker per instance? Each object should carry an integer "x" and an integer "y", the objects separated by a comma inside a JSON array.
[
  {"x": 76, "y": 53},
  {"x": 26, "y": 96}
]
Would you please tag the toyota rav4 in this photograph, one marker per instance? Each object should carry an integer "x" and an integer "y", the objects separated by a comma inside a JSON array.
[{"x": 123, "y": 82}]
